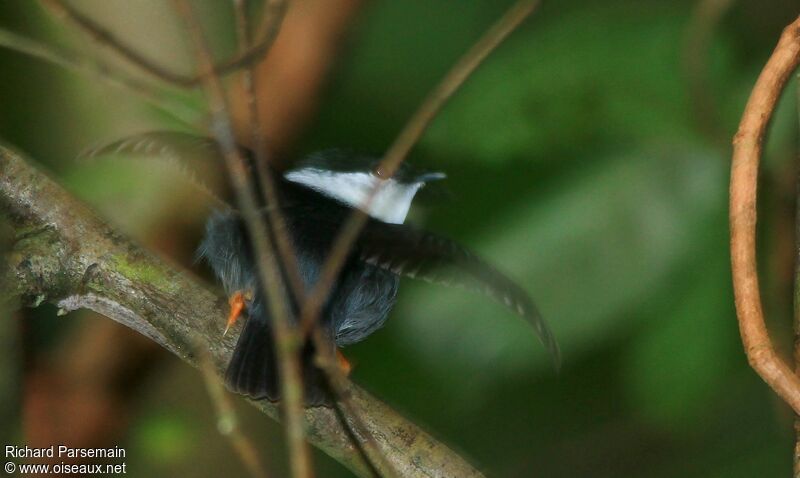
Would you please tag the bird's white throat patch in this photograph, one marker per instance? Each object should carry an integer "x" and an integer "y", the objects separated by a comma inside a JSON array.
[{"x": 390, "y": 204}]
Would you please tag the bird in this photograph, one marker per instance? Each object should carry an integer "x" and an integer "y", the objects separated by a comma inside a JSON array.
[{"x": 315, "y": 196}]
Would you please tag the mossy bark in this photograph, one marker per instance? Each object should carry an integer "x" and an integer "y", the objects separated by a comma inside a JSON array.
[{"x": 62, "y": 252}]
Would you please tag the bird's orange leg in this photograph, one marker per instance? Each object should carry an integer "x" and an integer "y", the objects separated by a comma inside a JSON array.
[
  {"x": 237, "y": 303},
  {"x": 344, "y": 364}
]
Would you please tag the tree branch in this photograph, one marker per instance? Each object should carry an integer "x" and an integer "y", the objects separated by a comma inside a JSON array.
[
  {"x": 277, "y": 302},
  {"x": 747, "y": 147},
  {"x": 287, "y": 254},
  {"x": 96, "y": 69},
  {"x": 796, "y": 299},
  {"x": 275, "y": 9},
  {"x": 696, "y": 58},
  {"x": 63, "y": 253}
]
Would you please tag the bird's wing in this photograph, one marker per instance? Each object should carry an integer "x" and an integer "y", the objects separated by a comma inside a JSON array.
[
  {"x": 187, "y": 154},
  {"x": 418, "y": 254},
  {"x": 170, "y": 145}
]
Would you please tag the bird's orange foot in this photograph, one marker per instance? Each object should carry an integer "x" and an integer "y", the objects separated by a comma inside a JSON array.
[
  {"x": 237, "y": 303},
  {"x": 344, "y": 364}
]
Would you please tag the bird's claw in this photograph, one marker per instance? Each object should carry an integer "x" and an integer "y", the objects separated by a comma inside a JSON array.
[
  {"x": 237, "y": 303},
  {"x": 344, "y": 364}
]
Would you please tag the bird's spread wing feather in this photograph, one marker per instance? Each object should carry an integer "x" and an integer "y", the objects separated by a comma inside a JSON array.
[
  {"x": 411, "y": 252},
  {"x": 172, "y": 145},
  {"x": 184, "y": 153}
]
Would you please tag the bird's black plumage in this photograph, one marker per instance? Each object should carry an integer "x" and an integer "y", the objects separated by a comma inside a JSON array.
[
  {"x": 366, "y": 289},
  {"x": 361, "y": 299},
  {"x": 357, "y": 305}
]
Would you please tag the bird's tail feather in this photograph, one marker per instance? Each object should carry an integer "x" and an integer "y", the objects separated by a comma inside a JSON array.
[{"x": 253, "y": 368}]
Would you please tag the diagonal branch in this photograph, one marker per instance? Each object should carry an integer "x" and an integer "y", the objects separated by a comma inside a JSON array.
[
  {"x": 747, "y": 147},
  {"x": 283, "y": 245},
  {"x": 288, "y": 349},
  {"x": 334, "y": 375},
  {"x": 228, "y": 421},
  {"x": 64, "y": 254},
  {"x": 267, "y": 31},
  {"x": 96, "y": 69}
]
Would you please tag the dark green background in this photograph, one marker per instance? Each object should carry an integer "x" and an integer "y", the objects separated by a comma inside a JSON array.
[{"x": 577, "y": 163}]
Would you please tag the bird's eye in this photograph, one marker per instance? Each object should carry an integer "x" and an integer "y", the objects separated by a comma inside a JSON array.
[{"x": 380, "y": 171}]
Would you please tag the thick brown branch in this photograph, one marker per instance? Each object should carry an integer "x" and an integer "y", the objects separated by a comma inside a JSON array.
[
  {"x": 747, "y": 147},
  {"x": 796, "y": 301},
  {"x": 64, "y": 254}
]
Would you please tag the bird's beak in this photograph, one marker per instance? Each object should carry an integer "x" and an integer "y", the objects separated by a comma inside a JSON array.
[{"x": 430, "y": 177}]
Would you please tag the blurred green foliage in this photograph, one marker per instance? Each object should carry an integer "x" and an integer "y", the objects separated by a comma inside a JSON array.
[{"x": 576, "y": 165}]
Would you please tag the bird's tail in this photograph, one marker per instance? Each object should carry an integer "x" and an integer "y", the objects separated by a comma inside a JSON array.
[{"x": 253, "y": 368}]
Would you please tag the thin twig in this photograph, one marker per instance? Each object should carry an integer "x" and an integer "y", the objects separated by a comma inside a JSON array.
[
  {"x": 267, "y": 33},
  {"x": 286, "y": 339},
  {"x": 325, "y": 359},
  {"x": 704, "y": 21},
  {"x": 747, "y": 147},
  {"x": 403, "y": 144},
  {"x": 340, "y": 385},
  {"x": 227, "y": 420},
  {"x": 98, "y": 70},
  {"x": 342, "y": 414},
  {"x": 265, "y": 176}
]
